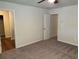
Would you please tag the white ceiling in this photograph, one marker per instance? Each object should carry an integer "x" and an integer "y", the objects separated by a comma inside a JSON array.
[{"x": 44, "y": 4}]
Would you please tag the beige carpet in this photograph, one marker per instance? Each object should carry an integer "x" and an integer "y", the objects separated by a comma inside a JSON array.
[{"x": 48, "y": 49}]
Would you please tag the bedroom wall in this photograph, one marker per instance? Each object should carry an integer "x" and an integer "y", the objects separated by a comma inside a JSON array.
[
  {"x": 28, "y": 22},
  {"x": 67, "y": 24}
]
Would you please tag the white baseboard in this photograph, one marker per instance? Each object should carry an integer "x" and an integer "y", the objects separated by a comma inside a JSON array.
[
  {"x": 68, "y": 42},
  {"x": 19, "y": 46}
]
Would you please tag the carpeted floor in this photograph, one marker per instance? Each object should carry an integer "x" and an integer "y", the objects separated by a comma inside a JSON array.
[{"x": 48, "y": 49}]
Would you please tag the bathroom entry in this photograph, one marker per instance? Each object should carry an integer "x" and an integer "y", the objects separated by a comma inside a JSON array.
[{"x": 7, "y": 38}]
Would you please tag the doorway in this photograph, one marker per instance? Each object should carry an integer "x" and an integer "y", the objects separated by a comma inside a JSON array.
[
  {"x": 53, "y": 25},
  {"x": 50, "y": 26},
  {"x": 7, "y": 38}
]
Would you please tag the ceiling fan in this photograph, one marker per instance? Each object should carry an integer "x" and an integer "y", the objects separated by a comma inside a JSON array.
[{"x": 52, "y": 1}]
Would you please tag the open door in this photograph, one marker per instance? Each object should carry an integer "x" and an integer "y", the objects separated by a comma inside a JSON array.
[{"x": 46, "y": 27}]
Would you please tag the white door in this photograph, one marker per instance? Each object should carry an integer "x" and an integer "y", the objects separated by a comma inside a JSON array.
[{"x": 46, "y": 26}]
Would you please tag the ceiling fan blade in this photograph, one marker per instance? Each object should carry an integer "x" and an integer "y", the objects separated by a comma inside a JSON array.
[
  {"x": 56, "y": 1},
  {"x": 41, "y": 1}
]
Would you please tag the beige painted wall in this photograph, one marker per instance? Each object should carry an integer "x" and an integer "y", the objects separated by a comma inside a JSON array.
[{"x": 53, "y": 25}]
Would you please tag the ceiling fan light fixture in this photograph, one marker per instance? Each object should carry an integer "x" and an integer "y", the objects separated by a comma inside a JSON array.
[{"x": 51, "y": 1}]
